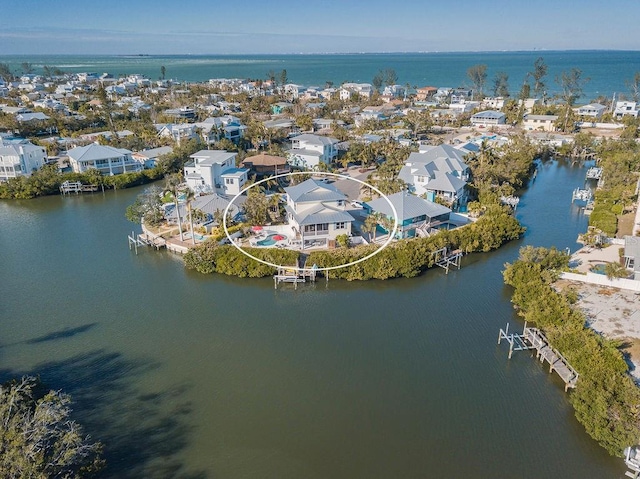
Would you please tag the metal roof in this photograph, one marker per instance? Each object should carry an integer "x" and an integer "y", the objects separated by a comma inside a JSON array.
[
  {"x": 313, "y": 190},
  {"x": 320, "y": 214},
  {"x": 407, "y": 206}
]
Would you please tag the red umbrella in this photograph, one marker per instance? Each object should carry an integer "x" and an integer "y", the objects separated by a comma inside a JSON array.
[
  {"x": 256, "y": 228},
  {"x": 279, "y": 237}
]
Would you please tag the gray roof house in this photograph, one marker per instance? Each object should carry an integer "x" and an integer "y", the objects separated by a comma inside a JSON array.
[
  {"x": 632, "y": 255},
  {"x": 437, "y": 171},
  {"x": 106, "y": 159},
  {"x": 415, "y": 214},
  {"x": 488, "y": 118},
  {"x": 316, "y": 213}
]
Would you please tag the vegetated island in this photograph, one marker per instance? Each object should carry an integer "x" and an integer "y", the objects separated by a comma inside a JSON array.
[{"x": 606, "y": 399}]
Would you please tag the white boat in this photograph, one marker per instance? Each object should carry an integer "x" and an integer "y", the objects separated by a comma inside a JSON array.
[{"x": 632, "y": 460}]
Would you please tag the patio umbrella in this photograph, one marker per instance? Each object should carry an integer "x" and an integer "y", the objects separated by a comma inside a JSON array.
[
  {"x": 256, "y": 228},
  {"x": 278, "y": 238}
]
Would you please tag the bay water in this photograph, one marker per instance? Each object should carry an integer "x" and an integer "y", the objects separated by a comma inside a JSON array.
[
  {"x": 607, "y": 72},
  {"x": 183, "y": 375}
]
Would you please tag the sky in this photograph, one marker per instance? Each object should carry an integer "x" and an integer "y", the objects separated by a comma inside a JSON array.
[{"x": 159, "y": 27}]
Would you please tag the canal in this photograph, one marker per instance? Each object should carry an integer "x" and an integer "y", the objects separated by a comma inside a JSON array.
[{"x": 192, "y": 376}]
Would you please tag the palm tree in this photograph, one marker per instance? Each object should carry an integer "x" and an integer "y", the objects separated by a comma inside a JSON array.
[
  {"x": 615, "y": 270},
  {"x": 370, "y": 224},
  {"x": 173, "y": 183}
]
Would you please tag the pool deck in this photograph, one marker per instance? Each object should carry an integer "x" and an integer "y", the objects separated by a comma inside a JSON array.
[{"x": 583, "y": 259}]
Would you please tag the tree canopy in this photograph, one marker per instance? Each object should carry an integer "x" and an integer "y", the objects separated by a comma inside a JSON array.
[{"x": 38, "y": 439}]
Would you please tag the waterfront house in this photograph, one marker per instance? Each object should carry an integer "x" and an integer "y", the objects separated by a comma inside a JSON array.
[
  {"x": 106, "y": 159},
  {"x": 592, "y": 110},
  {"x": 266, "y": 165},
  {"x": 539, "y": 122},
  {"x": 19, "y": 157},
  {"x": 488, "y": 118},
  {"x": 149, "y": 158},
  {"x": 437, "y": 171},
  {"x": 316, "y": 213},
  {"x": 625, "y": 108},
  {"x": 308, "y": 151},
  {"x": 211, "y": 206},
  {"x": 204, "y": 174},
  {"x": 415, "y": 215}
]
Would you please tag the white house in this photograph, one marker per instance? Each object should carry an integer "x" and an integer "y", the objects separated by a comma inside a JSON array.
[
  {"x": 178, "y": 132},
  {"x": 213, "y": 129},
  {"x": 233, "y": 180},
  {"x": 593, "y": 110},
  {"x": 365, "y": 90},
  {"x": 539, "y": 122},
  {"x": 205, "y": 173},
  {"x": 106, "y": 159},
  {"x": 19, "y": 158},
  {"x": 308, "y": 150},
  {"x": 625, "y": 108},
  {"x": 488, "y": 118},
  {"x": 437, "y": 171},
  {"x": 316, "y": 213}
]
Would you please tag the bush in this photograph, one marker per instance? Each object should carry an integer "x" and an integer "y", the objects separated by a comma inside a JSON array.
[
  {"x": 209, "y": 257},
  {"x": 606, "y": 401}
]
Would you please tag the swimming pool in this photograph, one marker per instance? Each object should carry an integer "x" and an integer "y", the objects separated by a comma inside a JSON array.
[
  {"x": 272, "y": 239},
  {"x": 598, "y": 268}
]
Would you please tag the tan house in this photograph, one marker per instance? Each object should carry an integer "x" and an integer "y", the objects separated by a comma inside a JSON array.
[
  {"x": 539, "y": 122},
  {"x": 263, "y": 164}
]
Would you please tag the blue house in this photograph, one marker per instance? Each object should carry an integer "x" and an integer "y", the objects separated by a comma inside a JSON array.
[{"x": 414, "y": 213}]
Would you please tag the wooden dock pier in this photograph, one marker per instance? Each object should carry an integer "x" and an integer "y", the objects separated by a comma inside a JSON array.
[
  {"x": 145, "y": 239},
  {"x": 76, "y": 187},
  {"x": 534, "y": 339},
  {"x": 445, "y": 258},
  {"x": 297, "y": 274}
]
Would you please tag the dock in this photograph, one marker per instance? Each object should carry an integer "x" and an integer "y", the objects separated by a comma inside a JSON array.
[
  {"x": 76, "y": 187},
  {"x": 581, "y": 195},
  {"x": 534, "y": 339},
  {"x": 145, "y": 239},
  {"x": 297, "y": 274},
  {"x": 446, "y": 259},
  {"x": 594, "y": 173}
]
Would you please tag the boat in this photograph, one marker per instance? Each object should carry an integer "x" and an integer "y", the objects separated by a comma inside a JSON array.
[{"x": 632, "y": 460}]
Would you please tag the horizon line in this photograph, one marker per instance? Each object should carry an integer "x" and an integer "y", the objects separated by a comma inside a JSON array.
[{"x": 139, "y": 54}]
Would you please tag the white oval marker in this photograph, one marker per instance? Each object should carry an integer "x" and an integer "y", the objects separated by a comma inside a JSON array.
[{"x": 337, "y": 175}]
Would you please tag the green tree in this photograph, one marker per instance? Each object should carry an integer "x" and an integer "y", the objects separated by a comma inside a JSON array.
[
  {"x": 478, "y": 76},
  {"x": 173, "y": 183},
  {"x": 571, "y": 84},
  {"x": 501, "y": 85},
  {"x": 256, "y": 207},
  {"x": 5, "y": 72},
  {"x": 27, "y": 67},
  {"x": 538, "y": 74},
  {"x": 634, "y": 87},
  {"x": 163, "y": 71},
  {"x": 147, "y": 207},
  {"x": 38, "y": 439}
]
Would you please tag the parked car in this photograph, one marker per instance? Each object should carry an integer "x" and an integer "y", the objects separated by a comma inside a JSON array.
[{"x": 357, "y": 204}]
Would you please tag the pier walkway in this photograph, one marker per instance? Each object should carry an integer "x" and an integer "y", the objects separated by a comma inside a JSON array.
[{"x": 533, "y": 338}]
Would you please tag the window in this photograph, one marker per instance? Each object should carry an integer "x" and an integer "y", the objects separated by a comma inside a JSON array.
[
  {"x": 310, "y": 228},
  {"x": 340, "y": 202},
  {"x": 340, "y": 226},
  {"x": 228, "y": 181}
]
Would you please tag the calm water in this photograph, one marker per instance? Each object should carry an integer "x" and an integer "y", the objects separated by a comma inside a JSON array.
[
  {"x": 608, "y": 71},
  {"x": 183, "y": 375}
]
